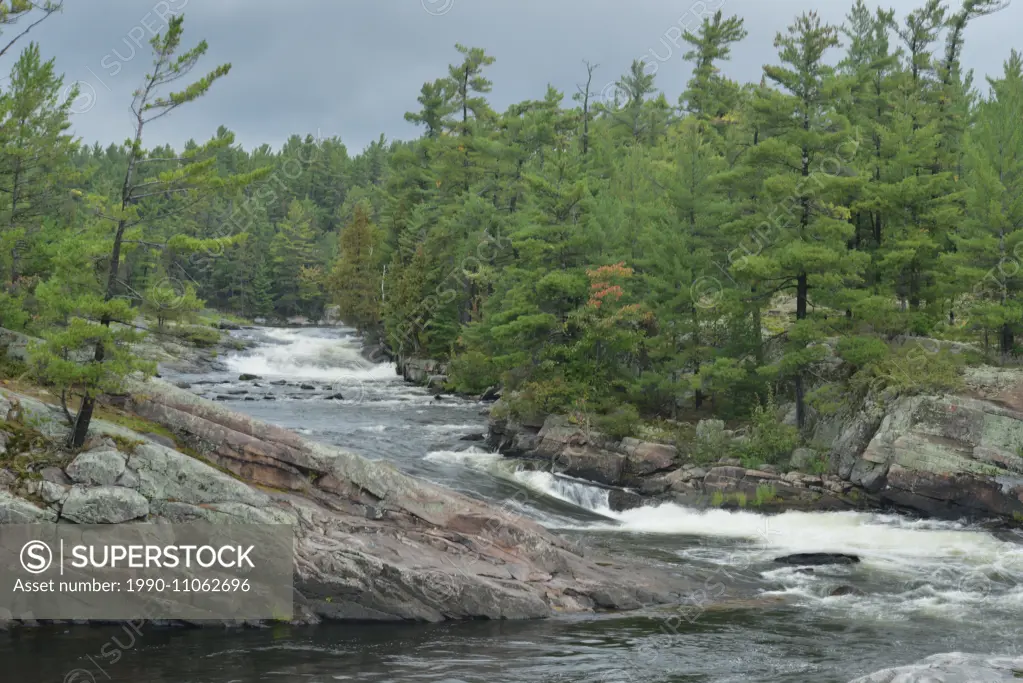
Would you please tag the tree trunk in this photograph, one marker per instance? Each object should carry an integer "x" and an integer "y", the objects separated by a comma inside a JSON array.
[
  {"x": 801, "y": 295},
  {"x": 1007, "y": 341},
  {"x": 802, "y": 292},
  {"x": 81, "y": 430},
  {"x": 800, "y": 402}
]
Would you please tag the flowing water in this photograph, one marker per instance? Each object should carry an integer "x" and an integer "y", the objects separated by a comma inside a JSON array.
[{"x": 923, "y": 587}]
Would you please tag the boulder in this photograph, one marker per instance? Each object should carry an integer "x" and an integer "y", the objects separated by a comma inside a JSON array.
[
  {"x": 97, "y": 468},
  {"x": 474, "y": 437},
  {"x": 817, "y": 559},
  {"x": 55, "y": 475},
  {"x": 591, "y": 463},
  {"x": 647, "y": 458},
  {"x": 8, "y": 478},
  {"x": 14, "y": 510},
  {"x": 49, "y": 492},
  {"x": 103, "y": 505},
  {"x": 165, "y": 474},
  {"x": 954, "y": 666},
  {"x": 246, "y": 377},
  {"x": 945, "y": 456},
  {"x": 620, "y": 499},
  {"x": 802, "y": 458}
]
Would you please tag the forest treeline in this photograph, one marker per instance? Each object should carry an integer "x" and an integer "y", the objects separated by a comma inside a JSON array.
[{"x": 610, "y": 252}]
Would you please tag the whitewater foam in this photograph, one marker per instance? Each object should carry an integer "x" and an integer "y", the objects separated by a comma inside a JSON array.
[{"x": 301, "y": 355}]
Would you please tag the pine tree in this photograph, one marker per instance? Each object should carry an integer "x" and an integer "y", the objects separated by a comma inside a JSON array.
[
  {"x": 986, "y": 258},
  {"x": 354, "y": 284},
  {"x": 708, "y": 94},
  {"x": 292, "y": 251},
  {"x": 806, "y": 250},
  {"x": 191, "y": 174},
  {"x": 37, "y": 151}
]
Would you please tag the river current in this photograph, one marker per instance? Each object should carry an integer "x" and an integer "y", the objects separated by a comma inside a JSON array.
[{"x": 922, "y": 588}]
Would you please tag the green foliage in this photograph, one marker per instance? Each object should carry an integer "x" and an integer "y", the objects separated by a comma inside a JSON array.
[
  {"x": 829, "y": 398},
  {"x": 769, "y": 441},
  {"x": 472, "y": 373},
  {"x": 353, "y": 282},
  {"x": 765, "y": 495},
  {"x": 198, "y": 335},
  {"x": 913, "y": 368},
  {"x": 614, "y": 259},
  {"x": 860, "y": 351},
  {"x": 67, "y": 357},
  {"x": 167, "y": 301},
  {"x": 619, "y": 423}
]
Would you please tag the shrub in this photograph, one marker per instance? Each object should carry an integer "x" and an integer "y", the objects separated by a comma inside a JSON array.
[
  {"x": 861, "y": 351},
  {"x": 769, "y": 440},
  {"x": 201, "y": 336},
  {"x": 620, "y": 422},
  {"x": 765, "y": 494},
  {"x": 472, "y": 373},
  {"x": 913, "y": 369},
  {"x": 544, "y": 397}
]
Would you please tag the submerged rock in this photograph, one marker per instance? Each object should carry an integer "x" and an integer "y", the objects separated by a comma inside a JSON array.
[
  {"x": 246, "y": 377},
  {"x": 952, "y": 667},
  {"x": 816, "y": 559}
]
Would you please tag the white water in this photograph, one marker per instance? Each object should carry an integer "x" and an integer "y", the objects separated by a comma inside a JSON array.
[
  {"x": 299, "y": 355},
  {"x": 909, "y": 568},
  {"x": 923, "y": 567}
]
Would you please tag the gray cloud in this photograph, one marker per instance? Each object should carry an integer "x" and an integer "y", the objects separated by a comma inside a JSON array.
[{"x": 352, "y": 69}]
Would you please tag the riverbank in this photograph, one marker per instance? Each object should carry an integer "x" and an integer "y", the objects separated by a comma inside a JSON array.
[
  {"x": 940, "y": 456},
  {"x": 920, "y": 587},
  {"x": 373, "y": 543}
]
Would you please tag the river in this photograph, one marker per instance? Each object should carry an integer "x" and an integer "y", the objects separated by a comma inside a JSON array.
[{"x": 923, "y": 587}]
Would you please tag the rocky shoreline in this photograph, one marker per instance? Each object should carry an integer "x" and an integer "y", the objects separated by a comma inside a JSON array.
[
  {"x": 647, "y": 473},
  {"x": 948, "y": 457},
  {"x": 372, "y": 544}
]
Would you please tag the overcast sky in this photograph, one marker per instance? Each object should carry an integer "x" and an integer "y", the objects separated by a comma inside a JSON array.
[{"x": 352, "y": 68}]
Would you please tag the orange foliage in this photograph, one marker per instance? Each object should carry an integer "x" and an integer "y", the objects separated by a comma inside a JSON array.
[{"x": 600, "y": 283}]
